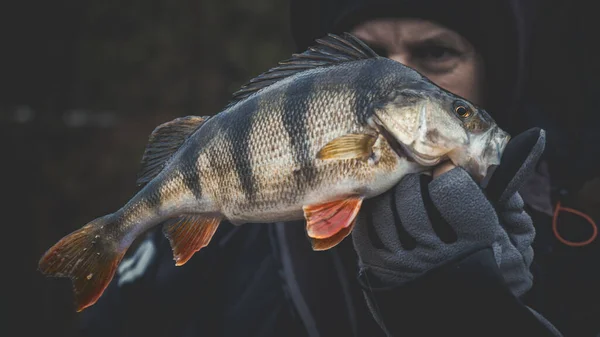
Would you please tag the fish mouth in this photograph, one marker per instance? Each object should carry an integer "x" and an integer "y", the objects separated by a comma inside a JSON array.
[{"x": 404, "y": 151}]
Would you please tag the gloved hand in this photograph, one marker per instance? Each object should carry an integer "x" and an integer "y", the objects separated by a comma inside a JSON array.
[{"x": 422, "y": 223}]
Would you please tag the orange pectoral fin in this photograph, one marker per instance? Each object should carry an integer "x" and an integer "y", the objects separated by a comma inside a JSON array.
[
  {"x": 327, "y": 219},
  {"x": 332, "y": 241},
  {"x": 188, "y": 234},
  {"x": 349, "y": 146}
]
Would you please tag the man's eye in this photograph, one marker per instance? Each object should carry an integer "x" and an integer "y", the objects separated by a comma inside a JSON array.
[
  {"x": 435, "y": 58},
  {"x": 433, "y": 53}
]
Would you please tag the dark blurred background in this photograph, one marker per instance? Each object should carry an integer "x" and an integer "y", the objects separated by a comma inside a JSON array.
[{"x": 83, "y": 83}]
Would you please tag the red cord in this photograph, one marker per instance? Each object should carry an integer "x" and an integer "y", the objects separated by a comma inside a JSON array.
[{"x": 576, "y": 212}]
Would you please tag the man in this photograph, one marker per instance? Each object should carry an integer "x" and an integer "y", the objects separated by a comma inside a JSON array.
[{"x": 459, "y": 264}]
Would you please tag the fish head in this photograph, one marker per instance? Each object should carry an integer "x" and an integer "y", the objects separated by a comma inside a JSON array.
[{"x": 432, "y": 125}]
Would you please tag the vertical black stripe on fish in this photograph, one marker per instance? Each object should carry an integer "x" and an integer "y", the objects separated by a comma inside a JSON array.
[
  {"x": 362, "y": 95},
  {"x": 154, "y": 195},
  {"x": 190, "y": 174},
  {"x": 295, "y": 111},
  {"x": 238, "y": 134}
]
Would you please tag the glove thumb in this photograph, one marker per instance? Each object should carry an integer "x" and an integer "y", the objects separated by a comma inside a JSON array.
[{"x": 517, "y": 164}]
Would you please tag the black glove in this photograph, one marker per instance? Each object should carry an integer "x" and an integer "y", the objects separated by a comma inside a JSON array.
[{"x": 423, "y": 226}]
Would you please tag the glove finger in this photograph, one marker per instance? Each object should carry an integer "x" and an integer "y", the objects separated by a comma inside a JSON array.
[
  {"x": 412, "y": 211},
  {"x": 440, "y": 226},
  {"x": 364, "y": 230},
  {"x": 385, "y": 222},
  {"x": 375, "y": 224},
  {"x": 517, "y": 223},
  {"x": 367, "y": 244},
  {"x": 464, "y": 206},
  {"x": 516, "y": 165},
  {"x": 379, "y": 226}
]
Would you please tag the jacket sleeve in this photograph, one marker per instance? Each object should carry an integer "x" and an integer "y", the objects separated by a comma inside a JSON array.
[
  {"x": 150, "y": 296},
  {"x": 466, "y": 297}
]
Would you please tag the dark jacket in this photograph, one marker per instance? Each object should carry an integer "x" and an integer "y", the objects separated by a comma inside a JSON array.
[{"x": 264, "y": 280}]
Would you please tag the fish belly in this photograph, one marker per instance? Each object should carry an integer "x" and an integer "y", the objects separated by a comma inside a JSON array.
[{"x": 332, "y": 181}]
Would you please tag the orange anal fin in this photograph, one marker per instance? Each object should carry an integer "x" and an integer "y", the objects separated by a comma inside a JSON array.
[
  {"x": 332, "y": 241},
  {"x": 326, "y": 219},
  {"x": 188, "y": 234},
  {"x": 89, "y": 257}
]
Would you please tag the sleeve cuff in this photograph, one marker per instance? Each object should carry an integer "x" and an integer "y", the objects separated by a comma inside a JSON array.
[{"x": 467, "y": 297}]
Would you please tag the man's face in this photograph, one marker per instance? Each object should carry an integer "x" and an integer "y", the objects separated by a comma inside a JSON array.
[{"x": 440, "y": 54}]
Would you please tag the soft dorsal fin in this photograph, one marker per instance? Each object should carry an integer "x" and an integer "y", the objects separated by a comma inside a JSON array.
[
  {"x": 330, "y": 50},
  {"x": 163, "y": 142}
]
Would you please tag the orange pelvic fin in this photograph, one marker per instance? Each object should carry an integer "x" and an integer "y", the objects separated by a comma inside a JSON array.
[
  {"x": 327, "y": 219},
  {"x": 332, "y": 241},
  {"x": 188, "y": 234},
  {"x": 89, "y": 257}
]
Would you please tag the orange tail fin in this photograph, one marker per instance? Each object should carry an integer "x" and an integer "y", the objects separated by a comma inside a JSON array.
[{"x": 89, "y": 256}]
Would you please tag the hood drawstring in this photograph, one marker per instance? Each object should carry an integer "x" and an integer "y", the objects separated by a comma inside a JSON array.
[{"x": 557, "y": 211}]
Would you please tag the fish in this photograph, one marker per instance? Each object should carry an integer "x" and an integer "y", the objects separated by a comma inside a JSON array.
[{"x": 310, "y": 138}]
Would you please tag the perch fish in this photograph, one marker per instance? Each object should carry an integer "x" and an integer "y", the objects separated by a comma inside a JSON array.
[{"x": 309, "y": 139}]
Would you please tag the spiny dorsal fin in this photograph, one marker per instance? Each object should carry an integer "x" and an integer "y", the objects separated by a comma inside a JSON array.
[
  {"x": 163, "y": 142},
  {"x": 328, "y": 51}
]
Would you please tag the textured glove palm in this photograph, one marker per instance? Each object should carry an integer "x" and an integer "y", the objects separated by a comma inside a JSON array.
[{"x": 423, "y": 223}]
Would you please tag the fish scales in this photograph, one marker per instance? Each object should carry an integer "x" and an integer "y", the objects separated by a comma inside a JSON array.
[
  {"x": 308, "y": 139},
  {"x": 273, "y": 166}
]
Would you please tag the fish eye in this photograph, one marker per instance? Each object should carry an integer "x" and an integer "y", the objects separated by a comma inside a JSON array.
[{"x": 462, "y": 110}]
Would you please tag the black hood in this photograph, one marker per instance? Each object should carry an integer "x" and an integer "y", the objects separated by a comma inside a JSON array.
[{"x": 499, "y": 29}]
